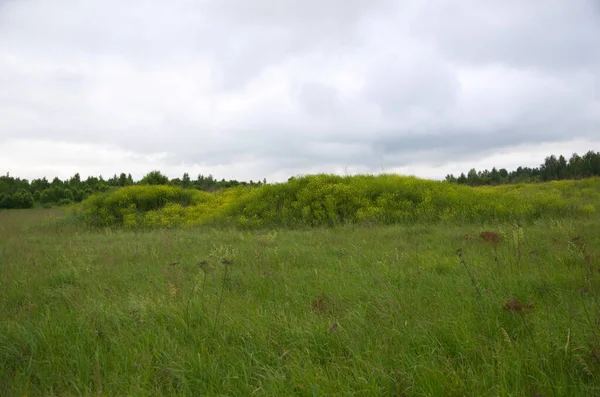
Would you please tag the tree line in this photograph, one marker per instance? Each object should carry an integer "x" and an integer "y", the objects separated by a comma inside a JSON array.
[
  {"x": 22, "y": 193},
  {"x": 554, "y": 168}
]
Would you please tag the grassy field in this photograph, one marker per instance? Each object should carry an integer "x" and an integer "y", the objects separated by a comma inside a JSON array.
[{"x": 419, "y": 310}]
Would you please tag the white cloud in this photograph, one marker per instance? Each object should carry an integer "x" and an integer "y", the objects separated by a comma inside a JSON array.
[{"x": 275, "y": 88}]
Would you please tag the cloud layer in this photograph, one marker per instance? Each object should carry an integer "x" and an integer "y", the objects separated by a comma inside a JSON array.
[{"x": 274, "y": 88}]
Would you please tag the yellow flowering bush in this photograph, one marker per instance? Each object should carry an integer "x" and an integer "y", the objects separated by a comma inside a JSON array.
[{"x": 329, "y": 200}]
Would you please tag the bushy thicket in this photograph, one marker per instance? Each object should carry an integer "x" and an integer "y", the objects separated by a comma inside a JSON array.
[
  {"x": 18, "y": 200},
  {"x": 329, "y": 200},
  {"x": 21, "y": 193},
  {"x": 154, "y": 206},
  {"x": 124, "y": 206}
]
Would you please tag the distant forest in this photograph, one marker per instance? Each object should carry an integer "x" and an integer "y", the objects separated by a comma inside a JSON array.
[
  {"x": 554, "y": 168},
  {"x": 21, "y": 193}
]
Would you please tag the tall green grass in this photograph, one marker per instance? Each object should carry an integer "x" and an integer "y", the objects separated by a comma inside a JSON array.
[
  {"x": 357, "y": 310},
  {"x": 329, "y": 200}
]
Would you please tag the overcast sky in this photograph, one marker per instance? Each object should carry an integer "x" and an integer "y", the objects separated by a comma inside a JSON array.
[{"x": 253, "y": 89}]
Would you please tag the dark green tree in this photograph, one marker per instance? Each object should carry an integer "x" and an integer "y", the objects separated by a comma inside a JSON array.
[
  {"x": 154, "y": 178},
  {"x": 186, "y": 181}
]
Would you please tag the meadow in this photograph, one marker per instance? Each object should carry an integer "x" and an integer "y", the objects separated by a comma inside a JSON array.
[{"x": 319, "y": 287}]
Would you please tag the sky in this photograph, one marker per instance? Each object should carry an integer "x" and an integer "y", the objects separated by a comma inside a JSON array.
[{"x": 270, "y": 89}]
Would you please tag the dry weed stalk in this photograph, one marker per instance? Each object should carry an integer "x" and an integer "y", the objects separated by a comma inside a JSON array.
[
  {"x": 459, "y": 253},
  {"x": 578, "y": 242},
  {"x": 227, "y": 263}
]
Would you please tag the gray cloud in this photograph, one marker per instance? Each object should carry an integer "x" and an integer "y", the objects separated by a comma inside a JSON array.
[
  {"x": 409, "y": 81},
  {"x": 300, "y": 85},
  {"x": 549, "y": 34}
]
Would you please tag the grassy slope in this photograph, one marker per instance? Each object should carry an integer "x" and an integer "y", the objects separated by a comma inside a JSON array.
[
  {"x": 105, "y": 313},
  {"x": 326, "y": 200}
]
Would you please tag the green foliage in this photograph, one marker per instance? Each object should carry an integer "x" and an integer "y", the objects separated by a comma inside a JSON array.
[
  {"x": 137, "y": 205},
  {"x": 330, "y": 200},
  {"x": 154, "y": 178},
  {"x": 75, "y": 189},
  {"x": 20, "y": 199},
  {"x": 334, "y": 210},
  {"x": 554, "y": 168}
]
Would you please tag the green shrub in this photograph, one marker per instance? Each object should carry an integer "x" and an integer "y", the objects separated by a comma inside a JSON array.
[
  {"x": 114, "y": 207},
  {"x": 65, "y": 202},
  {"x": 330, "y": 200}
]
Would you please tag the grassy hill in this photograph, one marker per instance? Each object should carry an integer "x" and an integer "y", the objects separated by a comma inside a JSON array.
[{"x": 328, "y": 200}]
